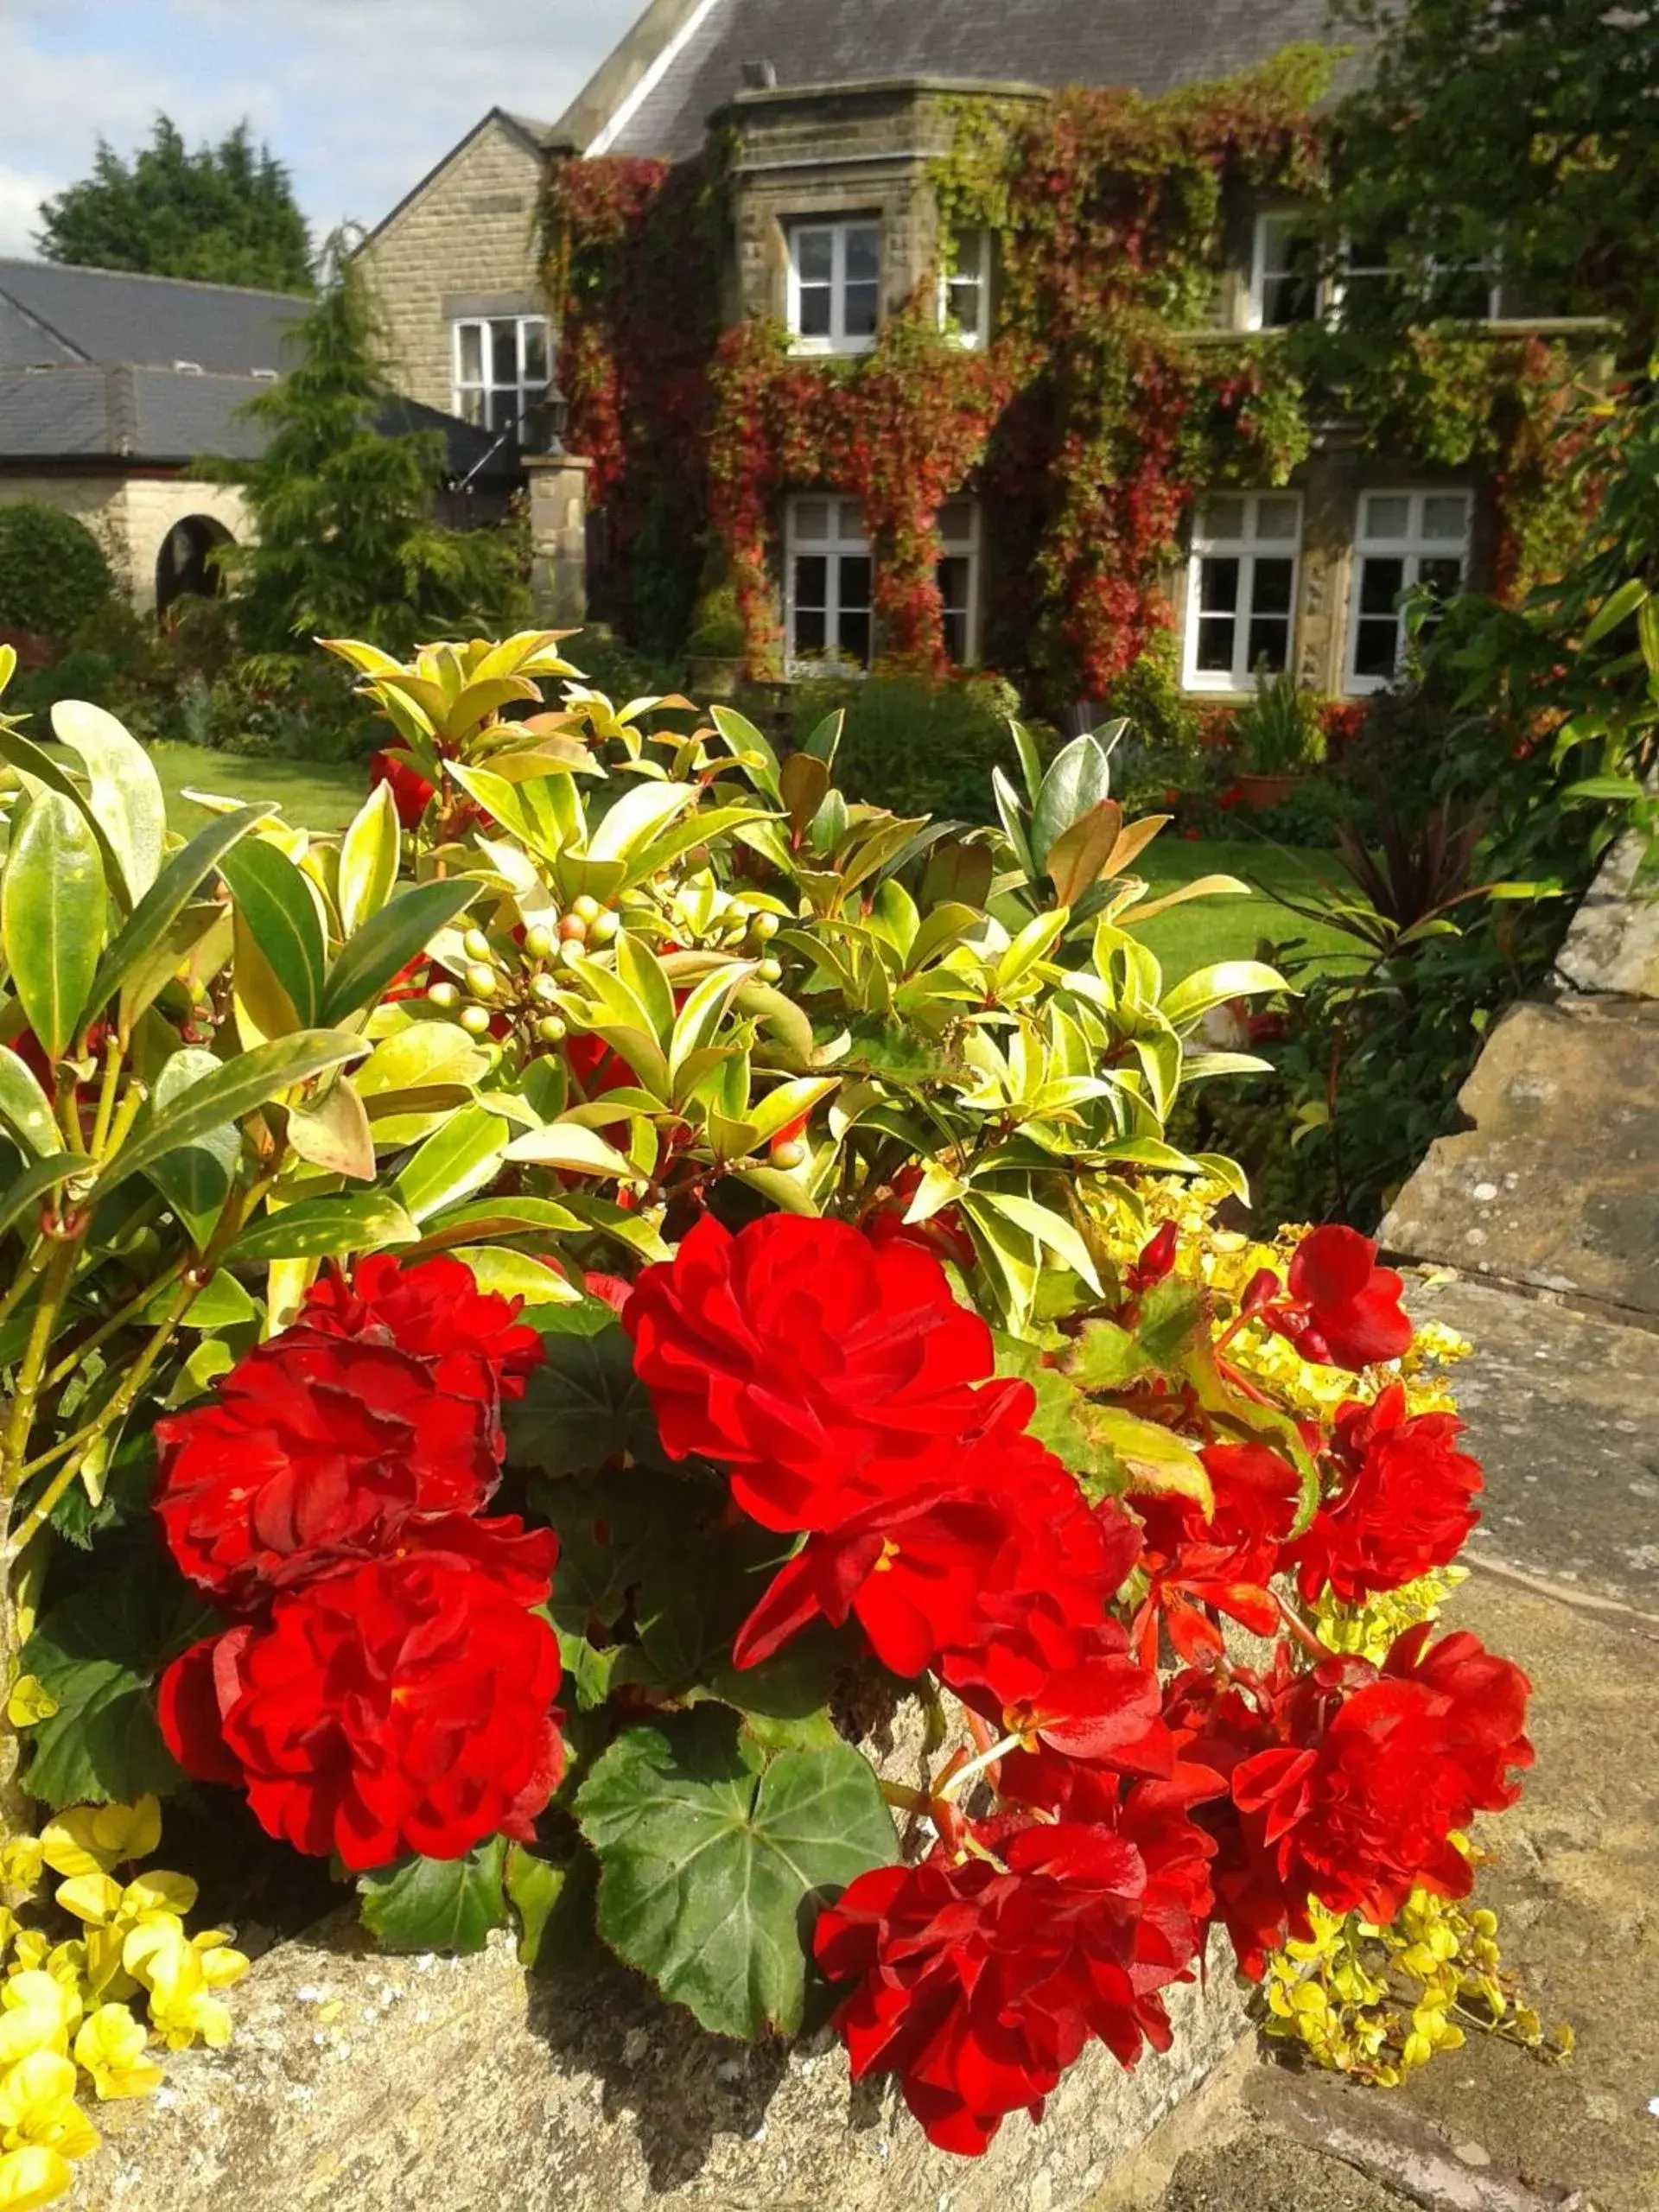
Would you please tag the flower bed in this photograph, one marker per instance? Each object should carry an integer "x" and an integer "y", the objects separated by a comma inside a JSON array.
[{"x": 593, "y": 1330}]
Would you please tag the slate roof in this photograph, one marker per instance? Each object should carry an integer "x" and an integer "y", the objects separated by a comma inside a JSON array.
[
  {"x": 51, "y": 313},
  {"x": 1151, "y": 45}
]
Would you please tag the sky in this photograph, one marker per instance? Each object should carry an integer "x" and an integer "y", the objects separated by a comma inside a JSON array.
[{"x": 358, "y": 98}]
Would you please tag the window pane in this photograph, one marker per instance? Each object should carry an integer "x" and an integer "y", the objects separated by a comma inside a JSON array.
[
  {"x": 1269, "y": 645},
  {"x": 1270, "y": 589},
  {"x": 1214, "y": 656},
  {"x": 812, "y": 580},
  {"x": 860, "y": 319},
  {"x": 472, "y": 354},
  {"x": 535, "y": 351},
  {"x": 815, "y": 311},
  {"x": 1218, "y": 586},
  {"x": 503, "y": 353},
  {"x": 815, "y": 256},
  {"x": 1388, "y": 516},
  {"x": 962, "y": 305},
  {"x": 1276, "y": 519},
  {"x": 953, "y": 581},
  {"x": 809, "y": 630},
  {"x": 810, "y": 517},
  {"x": 503, "y": 408},
  {"x": 1445, "y": 514},
  {"x": 955, "y": 628},
  {"x": 851, "y": 528},
  {"x": 854, "y": 643},
  {"x": 474, "y": 407},
  {"x": 1381, "y": 583},
  {"x": 956, "y": 522},
  {"x": 863, "y": 253},
  {"x": 1375, "y": 644},
  {"x": 855, "y": 582},
  {"x": 1222, "y": 519},
  {"x": 1442, "y": 576}
]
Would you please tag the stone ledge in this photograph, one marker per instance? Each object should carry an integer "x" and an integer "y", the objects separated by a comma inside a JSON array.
[
  {"x": 366, "y": 2083},
  {"x": 1612, "y": 947}
]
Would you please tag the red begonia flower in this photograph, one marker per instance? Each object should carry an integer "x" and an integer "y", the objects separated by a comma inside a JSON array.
[
  {"x": 1345, "y": 1783},
  {"x": 410, "y": 791},
  {"x": 406, "y": 1704},
  {"x": 1403, "y": 1504},
  {"x": 434, "y": 1310},
  {"x": 1343, "y": 1310},
  {"x": 798, "y": 1351},
  {"x": 978, "y": 1979},
  {"x": 1223, "y": 1562}
]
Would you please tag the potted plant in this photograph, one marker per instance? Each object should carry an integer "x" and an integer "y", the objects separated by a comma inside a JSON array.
[{"x": 1280, "y": 733}]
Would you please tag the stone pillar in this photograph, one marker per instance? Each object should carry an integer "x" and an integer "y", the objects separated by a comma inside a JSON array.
[{"x": 558, "y": 538}]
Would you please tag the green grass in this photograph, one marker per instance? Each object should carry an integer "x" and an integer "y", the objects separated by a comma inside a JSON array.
[
  {"x": 1229, "y": 927},
  {"x": 313, "y": 794}
]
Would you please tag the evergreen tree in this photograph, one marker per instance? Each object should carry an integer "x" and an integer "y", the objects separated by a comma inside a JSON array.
[
  {"x": 347, "y": 543},
  {"x": 224, "y": 213}
]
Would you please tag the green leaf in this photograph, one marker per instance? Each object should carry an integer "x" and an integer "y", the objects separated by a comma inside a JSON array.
[
  {"x": 584, "y": 1406},
  {"x": 517, "y": 1274},
  {"x": 165, "y": 900},
  {"x": 195, "y": 1178},
  {"x": 555, "y": 1904},
  {"x": 456, "y": 1161},
  {"x": 25, "y": 1107},
  {"x": 1106, "y": 1357},
  {"x": 250, "y": 1080},
  {"x": 125, "y": 793},
  {"x": 368, "y": 853},
  {"x": 437, "y": 1904},
  {"x": 391, "y": 939},
  {"x": 32, "y": 1185},
  {"x": 1616, "y": 608},
  {"x": 323, "y": 1229},
  {"x": 713, "y": 1862},
  {"x": 1206, "y": 986},
  {"x": 1079, "y": 777},
  {"x": 52, "y": 904},
  {"x": 275, "y": 902},
  {"x": 750, "y": 747},
  {"x": 100, "y": 1654},
  {"x": 1154, "y": 1457},
  {"x": 569, "y": 1146}
]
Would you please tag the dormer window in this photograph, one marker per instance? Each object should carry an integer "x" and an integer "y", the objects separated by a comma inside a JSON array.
[
  {"x": 1284, "y": 272},
  {"x": 835, "y": 286},
  {"x": 965, "y": 290}
]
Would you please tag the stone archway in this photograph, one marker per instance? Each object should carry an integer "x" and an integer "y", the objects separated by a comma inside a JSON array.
[{"x": 183, "y": 566}]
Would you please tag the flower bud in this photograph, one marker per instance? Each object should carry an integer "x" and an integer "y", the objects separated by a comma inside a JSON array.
[
  {"x": 586, "y": 907},
  {"x": 538, "y": 941},
  {"x": 445, "y": 996},
  {"x": 765, "y": 927},
  {"x": 770, "y": 971},
  {"x": 481, "y": 981},
  {"x": 475, "y": 945},
  {"x": 573, "y": 929},
  {"x": 549, "y": 1029},
  {"x": 475, "y": 1020},
  {"x": 789, "y": 1155},
  {"x": 602, "y": 928},
  {"x": 572, "y": 955},
  {"x": 545, "y": 988}
]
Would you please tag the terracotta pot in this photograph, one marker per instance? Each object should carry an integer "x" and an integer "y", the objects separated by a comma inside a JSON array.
[{"x": 1265, "y": 790}]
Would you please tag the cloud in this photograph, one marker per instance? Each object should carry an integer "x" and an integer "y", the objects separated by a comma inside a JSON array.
[{"x": 358, "y": 97}]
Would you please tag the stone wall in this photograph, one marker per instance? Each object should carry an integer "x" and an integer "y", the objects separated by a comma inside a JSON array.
[
  {"x": 131, "y": 514},
  {"x": 465, "y": 242}
]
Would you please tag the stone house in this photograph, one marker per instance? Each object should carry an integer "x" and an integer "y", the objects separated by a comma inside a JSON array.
[
  {"x": 832, "y": 120},
  {"x": 112, "y": 385}
]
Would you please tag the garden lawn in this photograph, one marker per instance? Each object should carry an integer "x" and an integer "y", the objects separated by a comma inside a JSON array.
[
  {"x": 313, "y": 794},
  {"x": 1229, "y": 927}
]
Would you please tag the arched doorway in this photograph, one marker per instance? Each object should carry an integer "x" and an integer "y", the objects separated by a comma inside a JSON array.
[{"x": 183, "y": 569}]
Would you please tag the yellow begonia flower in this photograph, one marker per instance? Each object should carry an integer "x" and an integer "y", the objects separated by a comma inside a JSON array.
[
  {"x": 91, "y": 1839},
  {"x": 163, "y": 1957},
  {"x": 30, "y": 1702},
  {"x": 37, "y": 2104},
  {"x": 33, "y": 2176},
  {"x": 36, "y": 2013},
  {"x": 112, "y": 2046},
  {"x": 19, "y": 1862}
]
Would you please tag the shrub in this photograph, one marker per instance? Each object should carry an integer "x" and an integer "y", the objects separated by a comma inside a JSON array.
[
  {"x": 912, "y": 745},
  {"x": 633, "y": 1121},
  {"x": 1281, "y": 729},
  {"x": 52, "y": 572}
]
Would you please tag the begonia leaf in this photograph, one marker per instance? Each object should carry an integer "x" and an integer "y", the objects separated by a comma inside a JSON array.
[
  {"x": 437, "y": 1904},
  {"x": 583, "y": 1407},
  {"x": 714, "y": 1861}
]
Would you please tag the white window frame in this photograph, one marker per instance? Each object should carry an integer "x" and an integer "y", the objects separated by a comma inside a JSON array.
[
  {"x": 964, "y": 546},
  {"x": 838, "y": 339},
  {"x": 977, "y": 271},
  {"x": 840, "y": 544},
  {"x": 1412, "y": 547},
  {"x": 1257, "y": 299},
  {"x": 1246, "y": 548},
  {"x": 528, "y": 390},
  {"x": 1335, "y": 292}
]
